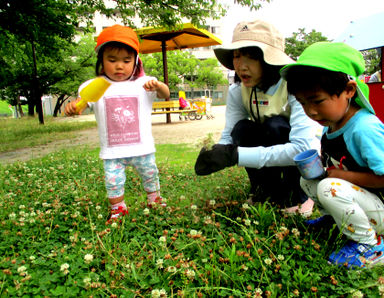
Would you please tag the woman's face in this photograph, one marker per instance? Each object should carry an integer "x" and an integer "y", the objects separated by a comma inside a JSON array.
[
  {"x": 118, "y": 63},
  {"x": 248, "y": 69}
]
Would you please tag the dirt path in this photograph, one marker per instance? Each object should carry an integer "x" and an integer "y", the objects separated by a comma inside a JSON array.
[{"x": 176, "y": 132}]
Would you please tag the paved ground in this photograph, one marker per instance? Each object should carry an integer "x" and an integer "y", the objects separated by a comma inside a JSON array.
[{"x": 176, "y": 132}]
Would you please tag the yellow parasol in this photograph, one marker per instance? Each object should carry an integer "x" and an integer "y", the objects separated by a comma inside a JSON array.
[{"x": 158, "y": 39}]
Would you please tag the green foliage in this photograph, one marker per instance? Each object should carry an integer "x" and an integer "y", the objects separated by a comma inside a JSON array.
[
  {"x": 184, "y": 68},
  {"x": 372, "y": 61},
  {"x": 34, "y": 32},
  {"x": 55, "y": 239},
  {"x": 297, "y": 43}
]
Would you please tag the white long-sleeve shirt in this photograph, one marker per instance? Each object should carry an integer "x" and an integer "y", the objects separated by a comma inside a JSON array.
[{"x": 305, "y": 133}]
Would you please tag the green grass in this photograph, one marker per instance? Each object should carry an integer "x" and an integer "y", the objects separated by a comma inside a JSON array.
[
  {"x": 28, "y": 132},
  {"x": 208, "y": 242}
]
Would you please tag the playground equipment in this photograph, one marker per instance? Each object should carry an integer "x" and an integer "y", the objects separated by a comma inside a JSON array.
[
  {"x": 92, "y": 92},
  {"x": 202, "y": 106}
]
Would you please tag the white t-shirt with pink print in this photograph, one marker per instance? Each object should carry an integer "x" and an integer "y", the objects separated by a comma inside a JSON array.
[{"x": 123, "y": 116}]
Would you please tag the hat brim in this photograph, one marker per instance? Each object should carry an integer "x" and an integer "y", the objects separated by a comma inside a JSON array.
[
  {"x": 271, "y": 55},
  {"x": 132, "y": 45}
]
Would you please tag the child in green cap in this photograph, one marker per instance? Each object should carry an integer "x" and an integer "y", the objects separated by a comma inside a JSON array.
[{"x": 324, "y": 80}]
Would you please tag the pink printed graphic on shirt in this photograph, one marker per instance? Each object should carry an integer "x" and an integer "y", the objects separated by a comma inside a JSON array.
[{"x": 123, "y": 125}]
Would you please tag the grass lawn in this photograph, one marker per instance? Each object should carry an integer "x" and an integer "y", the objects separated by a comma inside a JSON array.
[
  {"x": 55, "y": 239},
  {"x": 28, "y": 132}
]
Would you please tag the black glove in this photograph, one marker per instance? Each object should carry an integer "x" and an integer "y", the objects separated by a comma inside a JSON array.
[{"x": 216, "y": 159}]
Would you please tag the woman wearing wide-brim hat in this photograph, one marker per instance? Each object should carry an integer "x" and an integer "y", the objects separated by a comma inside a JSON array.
[{"x": 265, "y": 126}]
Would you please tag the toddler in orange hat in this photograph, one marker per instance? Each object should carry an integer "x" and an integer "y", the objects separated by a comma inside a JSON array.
[{"x": 123, "y": 115}]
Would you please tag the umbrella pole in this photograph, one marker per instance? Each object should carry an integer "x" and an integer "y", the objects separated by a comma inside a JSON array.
[{"x": 165, "y": 72}]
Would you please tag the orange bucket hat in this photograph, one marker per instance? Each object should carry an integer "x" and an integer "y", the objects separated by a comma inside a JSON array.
[{"x": 118, "y": 33}]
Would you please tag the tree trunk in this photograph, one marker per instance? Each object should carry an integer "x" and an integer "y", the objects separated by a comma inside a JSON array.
[
  {"x": 36, "y": 96},
  {"x": 18, "y": 107},
  {"x": 58, "y": 105}
]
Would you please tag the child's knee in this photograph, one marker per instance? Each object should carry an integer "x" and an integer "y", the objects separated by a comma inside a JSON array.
[{"x": 332, "y": 190}]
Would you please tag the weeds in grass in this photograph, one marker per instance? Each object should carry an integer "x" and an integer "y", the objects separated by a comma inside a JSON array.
[{"x": 208, "y": 242}]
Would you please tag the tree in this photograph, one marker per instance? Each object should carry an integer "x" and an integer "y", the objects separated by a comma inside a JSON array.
[
  {"x": 372, "y": 61},
  {"x": 185, "y": 69},
  {"x": 77, "y": 65},
  {"x": 299, "y": 41},
  {"x": 43, "y": 27}
]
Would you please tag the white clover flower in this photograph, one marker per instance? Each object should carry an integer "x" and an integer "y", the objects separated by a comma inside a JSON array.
[
  {"x": 381, "y": 290},
  {"x": 12, "y": 215},
  {"x": 88, "y": 258},
  {"x": 22, "y": 207},
  {"x": 357, "y": 294},
  {"x": 258, "y": 292},
  {"x": 190, "y": 273},
  {"x": 163, "y": 293},
  {"x": 212, "y": 202},
  {"x": 159, "y": 263},
  {"x": 64, "y": 267},
  {"x": 268, "y": 261},
  {"x": 295, "y": 232},
  {"x": 100, "y": 216},
  {"x": 163, "y": 240},
  {"x": 32, "y": 258},
  {"x": 72, "y": 238},
  {"x": 193, "y": 207},
  {"x": 247, "y": 222},
  {"x": 182, "y": 197},
  {"x": 283, "y": 229},
  {"x": 155, "y": 293},
  {"x": 98, "y": 207},
  {"x": 245, "y": 206},
  {"x": 31, "y": 220},
  {"x": 87, "y": 280},
  {"x": 207, "y": 220},
  {"x": 172, "y": 269},
  {"x": 280, "y": 257},
  {"x": 255, "y": 222},
  {"x": 146, "y": 211},
  {"x": 114, "y": 225},
  {"x": 193, "y": 232},
  {"x": 21, "y": 269}
]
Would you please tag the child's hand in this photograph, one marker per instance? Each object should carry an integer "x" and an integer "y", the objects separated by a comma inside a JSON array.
[
  {"x": 152, "y": 85},
  {"x": 70, "y": 108}
]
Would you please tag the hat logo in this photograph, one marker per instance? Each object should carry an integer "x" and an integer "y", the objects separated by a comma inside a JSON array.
[{"x": 245, "y": 28}]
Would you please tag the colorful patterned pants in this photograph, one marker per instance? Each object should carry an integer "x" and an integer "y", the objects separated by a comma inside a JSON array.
[
  {"x": 115, "y": 174},
  {"x": 358, "y": 213}
]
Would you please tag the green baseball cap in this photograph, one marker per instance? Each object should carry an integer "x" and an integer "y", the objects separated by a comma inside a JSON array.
[{"x": 339, "y": 57}]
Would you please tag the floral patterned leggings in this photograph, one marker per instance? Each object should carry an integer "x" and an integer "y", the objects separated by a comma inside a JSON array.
[
  {"x": 115, "y": 176},
  {"x": 358, "y": 213}
]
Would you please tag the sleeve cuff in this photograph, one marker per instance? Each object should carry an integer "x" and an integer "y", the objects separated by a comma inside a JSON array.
[{"x": 248, "y": 157}]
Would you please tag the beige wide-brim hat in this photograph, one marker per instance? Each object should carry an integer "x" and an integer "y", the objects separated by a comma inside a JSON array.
[{"x": 259, "y": 34}]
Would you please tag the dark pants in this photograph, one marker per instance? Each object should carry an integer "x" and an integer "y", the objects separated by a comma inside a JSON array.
[{"x": 281, "y": 184}]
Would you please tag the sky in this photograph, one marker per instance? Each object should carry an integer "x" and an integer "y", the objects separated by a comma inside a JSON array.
[{"x": 330, "y": 17}]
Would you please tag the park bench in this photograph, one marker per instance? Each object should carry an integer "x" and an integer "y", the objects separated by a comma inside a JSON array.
[{"x": 168, "y": 107}]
